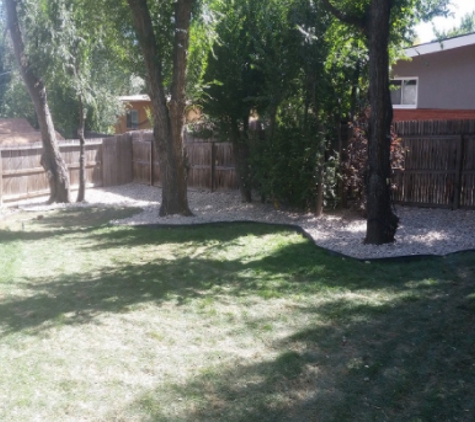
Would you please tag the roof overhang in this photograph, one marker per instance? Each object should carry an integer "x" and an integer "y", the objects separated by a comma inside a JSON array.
[
  {"x": 437, "y": 46},
  {"x": 134, "y": 98}
]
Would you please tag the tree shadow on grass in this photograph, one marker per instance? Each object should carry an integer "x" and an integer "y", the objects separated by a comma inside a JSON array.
[
  {"x": 78, "y": 298},
  {"x": 205, "y": 233},
  {"x": 296, "y": 268},
  {"x": 410, "y": 359},
  {"x": 405, "y": 359},
  {"x": 33, "y": 226}
]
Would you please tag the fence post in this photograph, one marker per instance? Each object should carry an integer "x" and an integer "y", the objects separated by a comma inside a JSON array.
[
  {"x": 213, "y": 165},
  {"x": 458, "y": 174},
  {"x": 109, "y": 161}
]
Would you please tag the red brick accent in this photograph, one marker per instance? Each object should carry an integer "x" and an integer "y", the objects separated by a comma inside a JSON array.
[{"x": 432, "y": 114}]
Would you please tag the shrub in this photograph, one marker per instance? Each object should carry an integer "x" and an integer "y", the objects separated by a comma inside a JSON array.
[{"x": 355, "y": 158}]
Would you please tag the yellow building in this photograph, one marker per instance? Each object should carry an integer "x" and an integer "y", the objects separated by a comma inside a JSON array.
[
  {"x": 135, "y": 117},
  {"x": 137, "y": 107}
]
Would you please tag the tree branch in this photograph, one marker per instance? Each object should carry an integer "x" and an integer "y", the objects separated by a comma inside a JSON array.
[
  {"x": 180, "y": 48},
  {"x": 344, "y": 17}
]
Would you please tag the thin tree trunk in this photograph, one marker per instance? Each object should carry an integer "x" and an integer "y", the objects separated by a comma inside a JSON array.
[
  {"x": 240, "y": 141},
  {"x": 168, "y": 118},
  {"x": 381, "y": 221},
  {"x": 321, "y": 180},
  {"x": 322, "y": 148},
  {"x": 51, "y": 159},
  {"x": 82, "y": 152}
]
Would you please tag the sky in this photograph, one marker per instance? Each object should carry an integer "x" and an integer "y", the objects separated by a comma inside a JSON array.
[{"x": 458, "y": 7}]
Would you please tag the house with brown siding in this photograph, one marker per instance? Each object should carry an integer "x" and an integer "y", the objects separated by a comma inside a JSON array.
[{"x": 436, "y": 81}]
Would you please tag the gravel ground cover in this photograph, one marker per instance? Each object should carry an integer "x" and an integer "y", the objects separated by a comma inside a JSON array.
[{"x": 421, "y": 231}]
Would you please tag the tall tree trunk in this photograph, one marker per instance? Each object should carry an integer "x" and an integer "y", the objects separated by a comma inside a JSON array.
[
  {"x": 51, "y": 159},
  {"x": 82, "y": 151},
  {"x": 375, "y": 22},
  {"x": 168, "y": 118},
  {"x": 381, "y": 221}
]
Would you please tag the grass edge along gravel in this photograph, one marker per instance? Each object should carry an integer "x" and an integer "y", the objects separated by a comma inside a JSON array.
[{"x": 224, "y": 323}]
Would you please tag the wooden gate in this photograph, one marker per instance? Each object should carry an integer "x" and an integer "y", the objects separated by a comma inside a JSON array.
[{"x": 439, "y": 171}]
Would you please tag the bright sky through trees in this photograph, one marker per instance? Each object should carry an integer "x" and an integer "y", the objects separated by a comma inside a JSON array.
[{"x": 459, "y": 8}]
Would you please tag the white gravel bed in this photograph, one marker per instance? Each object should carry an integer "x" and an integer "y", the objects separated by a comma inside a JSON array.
[{"x": 421, "y": 231}]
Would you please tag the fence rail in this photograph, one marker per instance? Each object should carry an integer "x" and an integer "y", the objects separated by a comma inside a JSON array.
[
  {"x": 22, "y": 177},
  {"x": 113, "y": 161},
  {"x": 439, "y": 168}
]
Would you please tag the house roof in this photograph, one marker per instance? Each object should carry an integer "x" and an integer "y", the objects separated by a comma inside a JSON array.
[
  {"x": 437, "y": 46},
  {"x": 15, "y": 126},
  {"x": 19, "y": 132},
  {"x": 139, "y": 97}
]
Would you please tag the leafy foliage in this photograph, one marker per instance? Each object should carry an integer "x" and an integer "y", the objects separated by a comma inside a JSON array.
[
  {"x": 269, "y": 62},
  {"x": 285, "y": 166},
  {"x": 70, "y": 42},
  {"x": 466, "y": 26},
  {"x": 14, "y": 99}
]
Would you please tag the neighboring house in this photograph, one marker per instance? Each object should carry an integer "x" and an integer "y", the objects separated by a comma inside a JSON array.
[
  {"x": 135, "y": 117},
  {"x": 437, "y": 82},
  {"x": 19, "y": 132}
]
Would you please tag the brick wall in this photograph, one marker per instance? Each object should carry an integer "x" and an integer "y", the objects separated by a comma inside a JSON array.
[{"x": 432, "y": 114}]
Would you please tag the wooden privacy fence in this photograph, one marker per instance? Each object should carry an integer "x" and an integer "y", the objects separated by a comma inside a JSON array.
[
  {"x": 108, "y": 163},
  {"x": 113, "y": 161},
  {"x": 439, "y": 165},
  {"x": 210, "y": 164}
]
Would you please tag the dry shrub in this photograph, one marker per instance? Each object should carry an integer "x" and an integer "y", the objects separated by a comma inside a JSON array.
[{"x": 354, "y": 163}]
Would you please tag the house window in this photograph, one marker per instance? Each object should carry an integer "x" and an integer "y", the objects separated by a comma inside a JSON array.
[
  {"x": 404, "y": 92},
  {"x": 132, "y": 119}
]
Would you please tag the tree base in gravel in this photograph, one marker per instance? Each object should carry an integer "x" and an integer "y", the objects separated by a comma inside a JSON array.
[
  {"x": 179, "y": 208},
  {"x": 168, "y": 115}
]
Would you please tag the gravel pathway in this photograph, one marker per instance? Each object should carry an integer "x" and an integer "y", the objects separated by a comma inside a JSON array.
[{"x": 421, "y": 231}]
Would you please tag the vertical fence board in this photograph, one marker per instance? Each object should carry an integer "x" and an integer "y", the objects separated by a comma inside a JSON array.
[
  {"x": 211, "y": 165},
  {"x": 430, "y": 175},
  {"x": 124, "y": 160},
  {"x": 225, "y": 167},
  {"x": 22, "y": 176},
  {"x": 440, "y": 169},
  {"x": 141, "y": 161},
  {"x": 200, "y": 165},
  {"x": 109, "y": 157}
]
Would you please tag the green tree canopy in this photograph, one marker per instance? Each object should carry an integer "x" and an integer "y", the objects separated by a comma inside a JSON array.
[{"x": 466, "y": 26}]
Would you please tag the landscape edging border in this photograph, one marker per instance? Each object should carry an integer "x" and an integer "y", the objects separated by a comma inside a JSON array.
[{"x": 304, "y": 233}]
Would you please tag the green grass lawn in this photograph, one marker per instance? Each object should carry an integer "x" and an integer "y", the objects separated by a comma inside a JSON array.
[{"x": 227, "y": 323}]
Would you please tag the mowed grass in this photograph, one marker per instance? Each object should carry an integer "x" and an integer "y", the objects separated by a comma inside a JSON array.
[{"x": 241, "y": 322}]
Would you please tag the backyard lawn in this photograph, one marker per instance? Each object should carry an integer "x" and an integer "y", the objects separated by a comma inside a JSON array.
[{"x": 228, "y": 323}]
